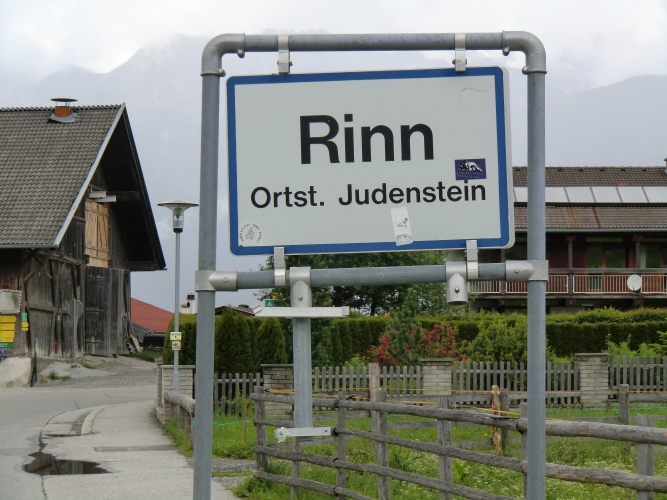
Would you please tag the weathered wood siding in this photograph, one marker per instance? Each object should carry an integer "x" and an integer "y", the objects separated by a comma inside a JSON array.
[{"x": 107, "y": 310}]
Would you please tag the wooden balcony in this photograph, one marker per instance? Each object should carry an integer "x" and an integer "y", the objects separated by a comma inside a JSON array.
[{"x": 580, "y": 282}]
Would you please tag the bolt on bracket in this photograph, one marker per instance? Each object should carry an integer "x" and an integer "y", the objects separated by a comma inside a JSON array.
[
  {"x": 223, "y": 281},
  {"x": 527, "y": 270}
]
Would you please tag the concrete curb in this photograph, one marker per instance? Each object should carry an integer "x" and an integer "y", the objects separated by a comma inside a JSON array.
[{"x": 87, "y": 426}]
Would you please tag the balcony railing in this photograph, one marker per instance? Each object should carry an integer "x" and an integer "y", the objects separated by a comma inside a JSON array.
[{"x": 580, "y": 281}]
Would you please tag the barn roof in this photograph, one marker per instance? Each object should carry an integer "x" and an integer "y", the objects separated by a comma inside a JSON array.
[
  {"x": 154, "y": 318},
  {"x": 45, "y": 170}
]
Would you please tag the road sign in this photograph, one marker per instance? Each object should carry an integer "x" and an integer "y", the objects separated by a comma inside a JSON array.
[
  {"x": 269, "y": 303},
  {"x": 75, "y": 309},
  {"x": 371, "y": 161},
  {"x": 175, "y": 336},
  {"x": 175, "y": 345}
]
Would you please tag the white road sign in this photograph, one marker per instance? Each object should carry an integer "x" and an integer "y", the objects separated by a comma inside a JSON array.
[{"x": 372, "y": 161}]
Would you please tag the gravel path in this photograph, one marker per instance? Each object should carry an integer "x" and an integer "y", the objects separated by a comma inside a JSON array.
[{"x": 123, "y": 371}]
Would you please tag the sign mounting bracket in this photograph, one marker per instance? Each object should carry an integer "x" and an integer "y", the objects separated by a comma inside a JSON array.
[
  {"x": 283, "y": 55},
  {"x": 460, "y": 60}
]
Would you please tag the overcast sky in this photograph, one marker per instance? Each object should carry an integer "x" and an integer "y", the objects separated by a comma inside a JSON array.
[{"x": 589, "y": 43}]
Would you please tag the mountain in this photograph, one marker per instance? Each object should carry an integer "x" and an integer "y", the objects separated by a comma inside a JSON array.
[{"x": 621, "y": 124}]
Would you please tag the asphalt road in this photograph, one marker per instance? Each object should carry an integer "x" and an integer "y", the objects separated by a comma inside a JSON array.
[{"x": 116, "y": 427}]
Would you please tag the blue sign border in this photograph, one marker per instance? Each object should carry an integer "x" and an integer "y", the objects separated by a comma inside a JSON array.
[{"x": 388, "y": 246}]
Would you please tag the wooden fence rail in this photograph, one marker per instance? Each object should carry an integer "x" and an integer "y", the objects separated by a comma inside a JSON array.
[{"x": 643, "y": 481}]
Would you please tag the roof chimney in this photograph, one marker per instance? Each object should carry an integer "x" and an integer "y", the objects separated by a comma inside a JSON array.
[{"x": 63, "y": 112}]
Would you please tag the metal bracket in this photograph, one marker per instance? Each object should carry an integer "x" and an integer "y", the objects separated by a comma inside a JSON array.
[
  {"x": 283, "y": 55},
  {"x": 460, "y": 60},
  {"x": 283, "y": 433},
  {"x": 472, "y": 257},
  {"x": 223, "y": 281},
  {"x": 202, "y": 283},
  {"x": 279, "y": 271},
  {"x": 527, "y": 270},
  {"x": 300, "y": 312}
]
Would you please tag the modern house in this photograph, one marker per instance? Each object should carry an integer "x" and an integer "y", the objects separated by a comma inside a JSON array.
[
  {"x": 604, "y": 224},
  {"x": 75, "y": 221}
]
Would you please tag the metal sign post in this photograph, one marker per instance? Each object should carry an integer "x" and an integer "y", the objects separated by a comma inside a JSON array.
[
  {"x": 75, "y": 311},
  {"x": 208, "y": 281}
]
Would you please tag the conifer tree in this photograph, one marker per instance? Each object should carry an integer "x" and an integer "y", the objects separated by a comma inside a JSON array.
[
  {"x": 271, "y": 342},
  {"x": 336, "y": 358},
  {"x": 347, "y": 349},
  {"x": 405, "y": 331}
]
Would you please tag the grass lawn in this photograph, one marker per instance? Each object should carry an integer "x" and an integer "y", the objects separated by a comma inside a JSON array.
[{"x": 229, "y": 441}]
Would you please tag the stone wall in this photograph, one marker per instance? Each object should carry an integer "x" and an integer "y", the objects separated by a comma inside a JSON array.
[
  {"x": 278, "y": 378},
  {"x": 185, "y": 386},
  {"x": 593, "y": 376},
  {"x": 437, "y": 376}
]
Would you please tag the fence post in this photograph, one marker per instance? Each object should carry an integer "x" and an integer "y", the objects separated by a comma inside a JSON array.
[
  {"x": 445, "y": 439},
  {"x": 340, "y": 472},
  {"x": 260, "y": 430},
  {"x": 505, "y": 407},
  {"x": 437, "y": 376},
  {"x": 523, "y": 414},
  {"x": 645, "y": 457},
  {"x": 495, "y": 406},
  {"x": 379, "y": 426},
  {"x": 593, "y": 377},
  {"x": 215, "y": 391},
  {"x": 624, "y": 404},
  {"x": 373, "y": 380}
]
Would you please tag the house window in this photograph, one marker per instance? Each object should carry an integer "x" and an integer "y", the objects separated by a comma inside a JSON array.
[
  {"x": 518, "y": 252},
  {"x": 97, "y": 234},
  {"x": 649, "y": 256},
  {"x": 609, "y": 256}
]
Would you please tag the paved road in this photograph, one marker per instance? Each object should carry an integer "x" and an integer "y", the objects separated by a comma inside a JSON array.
[{"x": 111, "y": 425}]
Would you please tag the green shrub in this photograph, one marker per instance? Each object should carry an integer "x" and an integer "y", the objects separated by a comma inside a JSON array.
[
  {"x": 188, "y": 326},
  {"x": 271, "y": 342},
  {"x": 499, "y": 339}
]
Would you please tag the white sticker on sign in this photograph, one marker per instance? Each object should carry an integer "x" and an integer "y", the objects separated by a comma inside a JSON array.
[{"x": 401, "y": 221}]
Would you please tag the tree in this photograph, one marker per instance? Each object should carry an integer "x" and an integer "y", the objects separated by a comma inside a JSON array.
[
  {"x": 233, "y": 352},
  {"x": 405, "y": 331},
  {"x": 271, "y": 342},
  {"x": 370, "y": 300}
]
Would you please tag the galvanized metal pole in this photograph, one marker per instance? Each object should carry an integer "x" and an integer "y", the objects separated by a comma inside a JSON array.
[
  {"x": 177, "y": 287},
  {"x": 536, "y": 289},
  {"x": 208, "y": 203},
  {"x": 301, "y": 296}
]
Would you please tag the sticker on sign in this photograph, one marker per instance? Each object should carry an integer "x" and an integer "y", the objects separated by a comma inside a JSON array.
[{"x": 368, "y": 162}]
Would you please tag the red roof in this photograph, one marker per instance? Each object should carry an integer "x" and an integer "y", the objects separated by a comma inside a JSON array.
[{"x": 151, "y": 317}]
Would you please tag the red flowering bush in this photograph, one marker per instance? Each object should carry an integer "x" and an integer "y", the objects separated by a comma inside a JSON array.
[{"x": 438, "y": 343}]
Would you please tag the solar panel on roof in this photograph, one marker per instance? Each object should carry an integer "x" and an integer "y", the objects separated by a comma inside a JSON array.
[
  {"x": 555, "y": 195},
  {"x": 605, "y": 194},
  {"x": 656, "y": 194},
  {"x": 521, "y": 194},
  {"x": 580, "y": 194},
  {"x": 632, "y": 194}
]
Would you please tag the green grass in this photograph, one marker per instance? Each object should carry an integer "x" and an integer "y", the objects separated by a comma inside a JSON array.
[
  {"x": 146, "y": 355},
  {"x": 228, "y": 441},
  {"x": 89, "y": 366},
  {"x": 54, "y": 376},
  {"x": 184, "y": 445}
]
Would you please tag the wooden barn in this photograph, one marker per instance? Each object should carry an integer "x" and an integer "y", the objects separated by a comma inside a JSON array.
[
  {"x": 604, "y": 224},
  {"x": 75, "y": 221}
]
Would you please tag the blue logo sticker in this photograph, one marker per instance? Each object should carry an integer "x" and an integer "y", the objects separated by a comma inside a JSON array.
[{"x": 470, "y": 169}]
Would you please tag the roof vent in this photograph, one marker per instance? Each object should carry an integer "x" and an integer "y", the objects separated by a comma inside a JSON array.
[{"x": 63, "y": 112}]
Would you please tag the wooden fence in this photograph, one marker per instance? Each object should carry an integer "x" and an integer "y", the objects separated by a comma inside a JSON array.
[
  {"x": 640, "y": 373},
  {"x": 230, "y": 391},
  {"x": 396, "y": 381},
  {"x": 645, "y": 436},
  {"x": 473, "y": 376}
]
